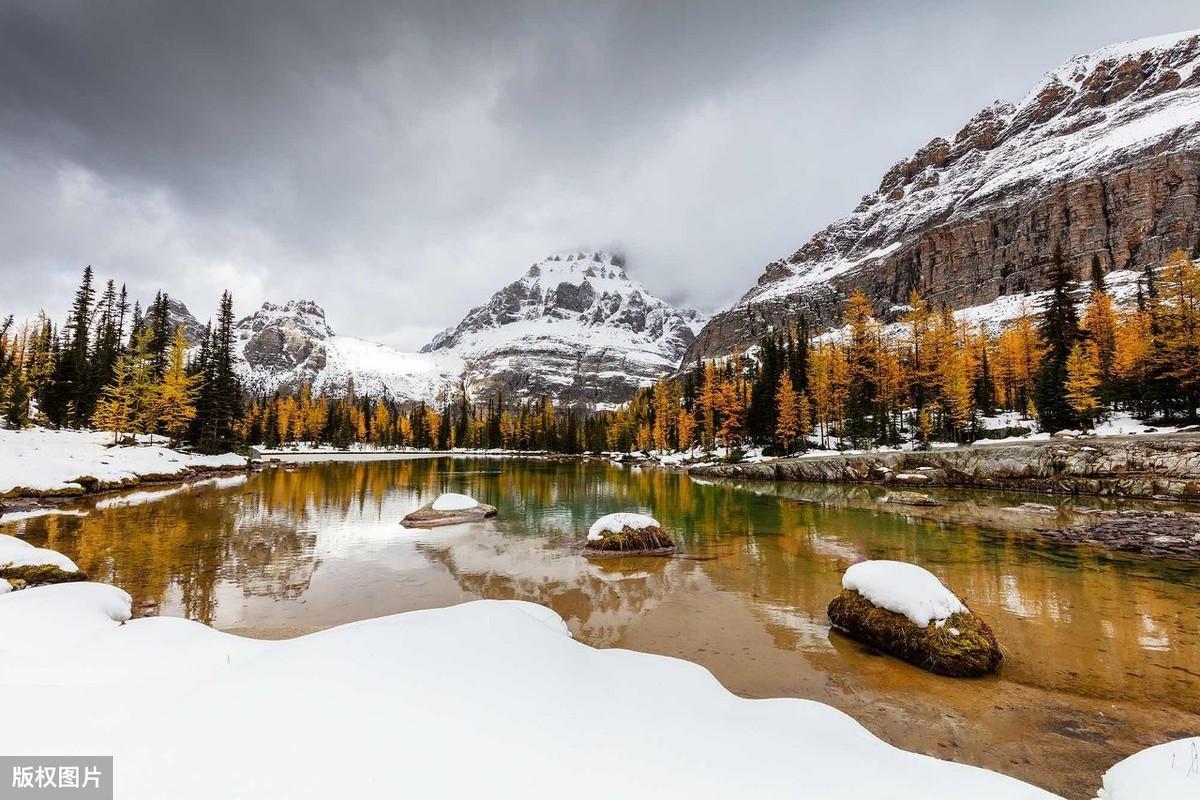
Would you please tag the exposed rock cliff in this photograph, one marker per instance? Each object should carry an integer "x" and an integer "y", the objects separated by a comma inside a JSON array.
[{"x": 1103, "y": 156}]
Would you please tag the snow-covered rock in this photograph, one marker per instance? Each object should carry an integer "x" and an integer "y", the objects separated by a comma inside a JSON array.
[
  {"x": 1170, "y": 770},
  {"x": 410, "y": 696},
  {"x": 16, "y": 552},
  {"x": 574, "y": 327},
  {"x": 615, "y": 523},
  {"x": 454, "y": 502},
  {"x": 905, "y": 589}
]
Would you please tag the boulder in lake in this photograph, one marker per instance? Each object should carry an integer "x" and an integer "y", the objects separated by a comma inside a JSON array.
[
  {"x": 448, "y": 509},
  {"x": 628, "y": 534},
  {"x": 905, "y": 611}
]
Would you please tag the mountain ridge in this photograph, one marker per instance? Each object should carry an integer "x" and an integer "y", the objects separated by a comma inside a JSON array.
[{"x": 1102, "y": 155}]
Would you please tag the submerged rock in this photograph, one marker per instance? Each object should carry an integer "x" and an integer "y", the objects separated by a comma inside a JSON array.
[
  {"x": 629, "y": 534},
  {"x": 1161, "y": 534},
  {"x": 923, "y": 622},
  {"x": 911, "y": 499},
  {"x": 448, "y": 509}
]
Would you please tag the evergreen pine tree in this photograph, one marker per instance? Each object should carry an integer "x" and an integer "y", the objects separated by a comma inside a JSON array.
[{"x": 1060, "y": 332}]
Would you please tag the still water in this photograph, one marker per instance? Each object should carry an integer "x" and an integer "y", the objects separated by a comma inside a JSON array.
[{"x": 1102, "y": 652}]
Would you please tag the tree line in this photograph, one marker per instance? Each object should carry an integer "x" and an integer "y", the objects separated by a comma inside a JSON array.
[
  {"x": 111, "y": 366},
  {"x": 930, "y": 376}
]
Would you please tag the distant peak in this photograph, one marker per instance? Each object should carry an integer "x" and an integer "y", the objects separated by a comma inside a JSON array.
[{"x": 306, "y": 313}]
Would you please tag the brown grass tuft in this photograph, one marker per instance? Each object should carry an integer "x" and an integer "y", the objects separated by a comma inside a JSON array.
[{"x": 629, "y": 540}]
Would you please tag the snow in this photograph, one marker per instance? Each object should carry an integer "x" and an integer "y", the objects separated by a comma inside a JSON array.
[
  {"x": 43, "y": 460},
  {"x": 454, "y": 502},
  {"x": 1170, "y": 770},
  {"x": 615, "y": 523},
  {"x": 484, "y": 698},
  {"x": 15, "y": 552},
  {"x": 48, "y": 620},
  {"x": 905, "y": 589},
  {"x": 1123, "y": 423}
]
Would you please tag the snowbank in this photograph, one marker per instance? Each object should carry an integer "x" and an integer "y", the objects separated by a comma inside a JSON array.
[
  {"x": 42, "y": 461},
  {"x": 414, "y": 698},
  {"x": 1167, "y": 770},
  {"x": 47, "y": 620},
  {"x": 16, "y": 552},
  {"x": 615, "y": 523},
  {"x": 454, "y": 502},
  {"x": 905, "y": 589}
]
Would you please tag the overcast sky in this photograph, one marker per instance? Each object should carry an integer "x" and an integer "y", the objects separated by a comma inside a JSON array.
[{"x": 399, "y": 162}]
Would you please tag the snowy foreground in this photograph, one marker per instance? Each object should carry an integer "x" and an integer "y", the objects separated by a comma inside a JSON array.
[
  {"x": 398, "y": 706},
  {"x": 43, "y": 461}
]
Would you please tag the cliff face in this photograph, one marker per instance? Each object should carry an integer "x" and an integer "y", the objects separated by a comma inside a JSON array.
[{"x": 1102, "y": 157}]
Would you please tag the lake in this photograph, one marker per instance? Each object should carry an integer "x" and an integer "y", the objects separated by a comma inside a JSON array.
[{"x": 1102, "y": 652}]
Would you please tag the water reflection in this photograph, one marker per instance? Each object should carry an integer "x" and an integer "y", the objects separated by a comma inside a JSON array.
[{"x": 290, "y": 551}]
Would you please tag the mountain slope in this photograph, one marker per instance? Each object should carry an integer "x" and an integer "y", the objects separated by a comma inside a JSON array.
[
  {"x": 1102, "y": 156},
  {"x": 280, "y": 348},
  {"x": 574, "y": 327}
]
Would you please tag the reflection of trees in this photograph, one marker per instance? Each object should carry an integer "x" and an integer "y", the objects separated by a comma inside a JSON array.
[
  {"x": 190, "y": 542},
  {"x": 598, "y": 599}
]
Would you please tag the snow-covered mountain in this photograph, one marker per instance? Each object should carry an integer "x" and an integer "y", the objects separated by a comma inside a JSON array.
[
  {"x": 1102, "y": 157},
  {"x": 284, "y": 347},
  {"x": 574, "y": 327}
]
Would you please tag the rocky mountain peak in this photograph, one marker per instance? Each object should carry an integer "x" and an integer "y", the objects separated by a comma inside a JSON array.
[
  {"x": 288, "y": 338},
  {"x": 178, "y": 316},
  {"x": 574, "y": 326}
]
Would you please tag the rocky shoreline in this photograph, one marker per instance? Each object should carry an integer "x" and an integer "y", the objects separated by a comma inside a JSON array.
[
  {"x": 31, "y": 500},
  {"x": 1165, "y": 467}
]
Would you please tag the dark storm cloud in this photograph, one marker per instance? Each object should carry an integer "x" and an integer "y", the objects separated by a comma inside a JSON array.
[{"x": 397, "y": 162}]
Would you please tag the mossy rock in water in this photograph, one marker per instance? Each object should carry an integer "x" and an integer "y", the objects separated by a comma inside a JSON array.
[
  {"x": 633, "y": 540},
  {"x": 964, "y": 647},
  {"x": 40, "y": 575}
]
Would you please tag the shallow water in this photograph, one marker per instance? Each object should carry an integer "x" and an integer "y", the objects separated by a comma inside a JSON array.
[{"x": 1102, "y": 651}]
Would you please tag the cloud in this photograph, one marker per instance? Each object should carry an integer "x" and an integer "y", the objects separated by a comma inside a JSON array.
[{"x": 399, "y": 162}]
